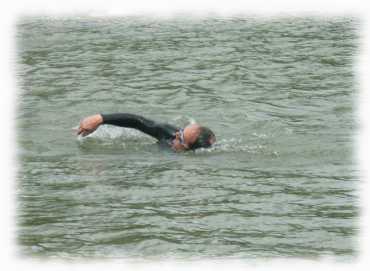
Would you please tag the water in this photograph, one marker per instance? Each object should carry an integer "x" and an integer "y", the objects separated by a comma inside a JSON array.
[{"x": 279, "y": 93}]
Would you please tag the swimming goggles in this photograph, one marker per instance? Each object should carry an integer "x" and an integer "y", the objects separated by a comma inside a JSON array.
[{"x": 182, "y": 140}]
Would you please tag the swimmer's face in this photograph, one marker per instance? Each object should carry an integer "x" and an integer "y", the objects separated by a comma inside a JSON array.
[
  {"x": 191, "y": 133},
  {"x": 190, "y": 136}
]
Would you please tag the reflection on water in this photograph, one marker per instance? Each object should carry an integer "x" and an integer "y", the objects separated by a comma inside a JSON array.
[{"x": 280, "y": 181}]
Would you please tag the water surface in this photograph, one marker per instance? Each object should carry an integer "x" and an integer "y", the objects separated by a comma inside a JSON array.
[{"x": 278, "y": 93}]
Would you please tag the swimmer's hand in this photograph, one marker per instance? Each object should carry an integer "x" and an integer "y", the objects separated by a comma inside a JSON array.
[{"x": 89, "y": 124}]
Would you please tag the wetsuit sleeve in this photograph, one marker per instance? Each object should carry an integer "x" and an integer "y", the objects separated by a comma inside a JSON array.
[{"x": 147, "y": 126}]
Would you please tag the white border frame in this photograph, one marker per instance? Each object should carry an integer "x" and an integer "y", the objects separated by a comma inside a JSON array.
[{"x": 169, "y": 8}]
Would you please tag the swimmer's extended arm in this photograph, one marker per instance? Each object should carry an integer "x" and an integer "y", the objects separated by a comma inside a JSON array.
[
  {"x": 147, "y": 126},
  {"x": 140, "y": 123}
]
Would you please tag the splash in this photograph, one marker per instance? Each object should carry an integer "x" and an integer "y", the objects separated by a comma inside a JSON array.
[
  {"x": 112, "y": 133},
  {"x": 115, "y": 139},
  {"x": 182, "y": 121}
]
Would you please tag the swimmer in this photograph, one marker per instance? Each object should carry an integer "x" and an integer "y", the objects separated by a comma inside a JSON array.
[{"x": 191, "y": 137}]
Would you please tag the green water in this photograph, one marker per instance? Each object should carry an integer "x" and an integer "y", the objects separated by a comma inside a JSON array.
[{"x": 279, "y": 94}]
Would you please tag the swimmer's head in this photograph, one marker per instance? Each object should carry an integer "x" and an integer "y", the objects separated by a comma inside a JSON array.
[
  {"x": 205, "y": 138},
  {"x": 193, "y": 137}
]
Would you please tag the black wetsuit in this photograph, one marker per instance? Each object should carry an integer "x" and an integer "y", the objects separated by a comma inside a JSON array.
[{"x": 165, "y": 133}]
